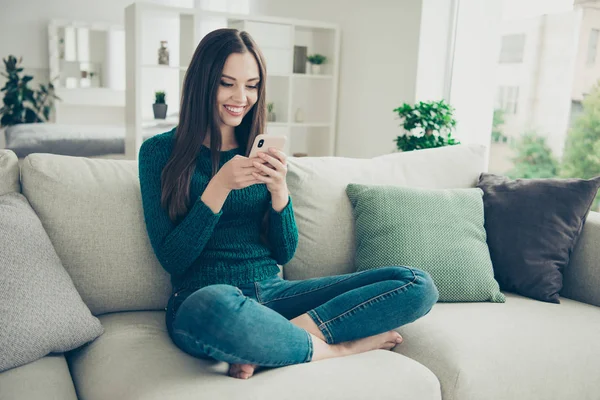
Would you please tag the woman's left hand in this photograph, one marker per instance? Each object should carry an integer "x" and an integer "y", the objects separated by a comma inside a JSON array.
[{"x": 273, "y": 176}]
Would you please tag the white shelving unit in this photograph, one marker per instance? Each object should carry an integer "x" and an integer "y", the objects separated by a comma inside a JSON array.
[{"x": 146, "y": 24}]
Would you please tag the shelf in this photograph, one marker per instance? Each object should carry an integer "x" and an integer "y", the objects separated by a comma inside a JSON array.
[
  {"x": 158, "y": 66},
  {"x": 312, "y": 76},
  {"x": 310, "y": 125},
  {"x": 311, "y": 97},
  {"x": 169, "y": 121}
]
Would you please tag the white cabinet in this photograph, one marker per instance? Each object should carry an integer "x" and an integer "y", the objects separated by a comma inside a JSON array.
[{"x": 305, "y": 105}]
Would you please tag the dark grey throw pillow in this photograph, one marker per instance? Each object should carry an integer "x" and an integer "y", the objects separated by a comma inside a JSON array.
[
  {"x": 41, "y": 311},
  {"x": 532, "y": 226}
]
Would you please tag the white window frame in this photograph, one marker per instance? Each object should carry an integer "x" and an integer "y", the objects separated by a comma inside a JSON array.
[{"x": 507, "y": 99}]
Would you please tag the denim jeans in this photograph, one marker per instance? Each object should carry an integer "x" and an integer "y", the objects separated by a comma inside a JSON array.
[{"x": 250, "y": 324}]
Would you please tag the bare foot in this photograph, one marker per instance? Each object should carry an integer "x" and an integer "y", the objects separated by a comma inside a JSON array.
[
  {"x": 386, "y": 340},
  {"x": 242, "y": 371}
]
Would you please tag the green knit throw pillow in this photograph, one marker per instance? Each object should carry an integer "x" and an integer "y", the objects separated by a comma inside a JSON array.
[{"x": 440, "y": 231}]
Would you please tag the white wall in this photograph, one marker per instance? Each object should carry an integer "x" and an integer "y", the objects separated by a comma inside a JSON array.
[
  {"x": 24, "y": 23},
  {"x": 378, "y": 64}
]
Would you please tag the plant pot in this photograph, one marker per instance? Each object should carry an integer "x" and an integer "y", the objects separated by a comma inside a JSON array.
[
  {"x": 315, "y": 69},
  {"x": 271, "y": 117},
  {"x": 160, "y": 111}
]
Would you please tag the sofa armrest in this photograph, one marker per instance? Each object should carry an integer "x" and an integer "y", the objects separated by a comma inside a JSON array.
[{"x": 581, "y": 278}]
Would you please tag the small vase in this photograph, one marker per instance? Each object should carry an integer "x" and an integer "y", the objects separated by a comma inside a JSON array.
[
  {"x": 315, "y": 69},
  {"x": 271, "y": 117},
  {"x": 163, "y": 53},
  {"x": 299, "y": 117},
  {"x": 160, "y": 110}
]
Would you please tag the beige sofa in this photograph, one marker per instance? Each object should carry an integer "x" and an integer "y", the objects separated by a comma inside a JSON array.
[{"x": 91, "y": 210}]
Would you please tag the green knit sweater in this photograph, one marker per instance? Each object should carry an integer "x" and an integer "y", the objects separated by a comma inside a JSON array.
[{"x": 205, "y": 248}]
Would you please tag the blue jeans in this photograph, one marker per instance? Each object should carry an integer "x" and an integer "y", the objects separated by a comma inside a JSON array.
[{"x": 250, "y": 324}]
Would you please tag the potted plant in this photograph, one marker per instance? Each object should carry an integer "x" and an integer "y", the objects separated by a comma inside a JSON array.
[
  {"x": 271, "y": 116},
  {"x": 22, "y": 104},
  {"x": 432, "y": 122},
  {"x": 316, "y": 60},
  {"x": 160, "y": 106}
]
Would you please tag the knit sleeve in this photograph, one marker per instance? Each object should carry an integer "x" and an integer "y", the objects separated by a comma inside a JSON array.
[
  {"x": 283, "y": 233},
  {"x": 176, "y": 246}
]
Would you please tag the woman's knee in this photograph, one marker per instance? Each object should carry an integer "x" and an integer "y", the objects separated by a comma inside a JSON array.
[
  {"x": 420, "y": 282},
  {"x": 428, "y": 291},
  {"x": 207, "y": 307}
]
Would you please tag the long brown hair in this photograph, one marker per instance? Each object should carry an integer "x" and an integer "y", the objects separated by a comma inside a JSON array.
[{"x": 199, "y": 115}]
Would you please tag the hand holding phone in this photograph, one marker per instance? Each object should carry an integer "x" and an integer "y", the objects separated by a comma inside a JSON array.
[
  {"x": 272, "y": 164},
  {"x": 263, "y": 142}
]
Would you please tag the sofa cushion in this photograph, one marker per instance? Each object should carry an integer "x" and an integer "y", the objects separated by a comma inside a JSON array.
[
  {"x": 135, "y": 359},
  {"x": 45, "y": 379},
  {"x": 323, "y": 212},
  {"x": 40, "y": 309},
  {"x": 581, "y": 278},
  {"x": 437, "y": 230},
  {"x": 9, "y": 172},
  {"x": 533, "y": 226},
  {"x": 522, "y": 349},
  {"x": 93, "y": 214}
]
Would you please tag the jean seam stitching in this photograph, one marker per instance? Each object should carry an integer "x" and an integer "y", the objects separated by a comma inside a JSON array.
[
  {"x": 376, "y": 297},
  {"x": 257, "y": 292},
  {"x": 322, "y": 327},
  {"x": 309, "y": 356},
  {"x": 313, "y": 290}
]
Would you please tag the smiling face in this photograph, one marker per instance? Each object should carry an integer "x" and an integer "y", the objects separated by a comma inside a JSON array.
[{"x": 238, "y": 89}]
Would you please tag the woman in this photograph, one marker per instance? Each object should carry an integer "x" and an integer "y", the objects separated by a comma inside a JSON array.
[{"x": 220, "y": 222}]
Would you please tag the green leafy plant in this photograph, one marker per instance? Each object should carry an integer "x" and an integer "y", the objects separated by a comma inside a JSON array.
[
  {"x": 270, "y": 107},
  {"x": 433, "y": 122},
  {"x": 581, "y": 158},
  {"x": 159, "y": 97},
  {"x": 22, "y": 104},
  {"x": 316, "y": 59},
  {"x": 533, "y": 159}
]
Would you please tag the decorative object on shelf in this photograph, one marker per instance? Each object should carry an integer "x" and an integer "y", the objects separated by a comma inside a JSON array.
[
  {"x": 271, "y": 116},
  {"x": 434, "y": 121},
  {"x": 160, "y": 106},
  {"x": 300, "y": 155},
  {"x": 21, "y": 104},
  {"x": 61, "y": 48},
  {"x": 84, "y": 74},
  {"x": 299, "y": 117},
  {"x": 316, "y": 60},
  {"x": 163, "y": 53},
  {"x": 300, "y": 59}
]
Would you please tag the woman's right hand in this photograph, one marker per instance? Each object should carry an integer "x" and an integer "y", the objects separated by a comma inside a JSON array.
[{"x": 237, "y": 173}]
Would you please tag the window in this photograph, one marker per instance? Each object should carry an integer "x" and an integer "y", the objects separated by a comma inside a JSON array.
[
  {"x": 593, "y": 46},
  {"x": 513, "y": 47},
  {"x": 507, "y": 99}
]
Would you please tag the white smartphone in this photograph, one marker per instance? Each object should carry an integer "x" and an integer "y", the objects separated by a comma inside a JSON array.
[{"x": 263, "y": 142}]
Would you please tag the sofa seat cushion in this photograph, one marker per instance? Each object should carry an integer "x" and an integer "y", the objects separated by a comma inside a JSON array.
[
  {"x": 522, "y": 349},
  {"x": 45, "y": 379},
  {"x": 135, "y": 359}
]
